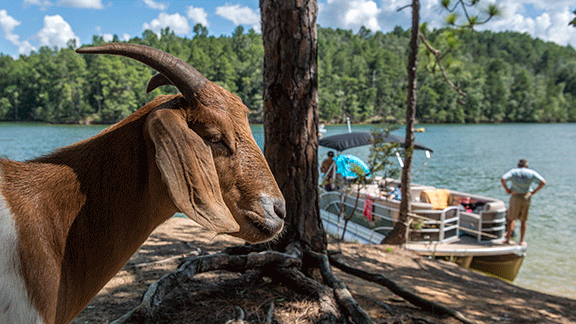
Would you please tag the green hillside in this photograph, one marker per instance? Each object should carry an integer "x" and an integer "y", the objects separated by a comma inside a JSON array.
[{"x": 508, "y": 77}]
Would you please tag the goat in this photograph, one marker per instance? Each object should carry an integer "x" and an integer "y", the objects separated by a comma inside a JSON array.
[{"x": 71, "y": 219}]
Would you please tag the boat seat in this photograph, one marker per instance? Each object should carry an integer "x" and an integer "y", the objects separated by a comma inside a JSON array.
[
  {"x": 494, "y": 205},
  {"x": 439, "y": 198}
]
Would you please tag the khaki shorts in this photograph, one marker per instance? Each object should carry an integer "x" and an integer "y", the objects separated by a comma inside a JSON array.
[{"x": 519, "y": 205}]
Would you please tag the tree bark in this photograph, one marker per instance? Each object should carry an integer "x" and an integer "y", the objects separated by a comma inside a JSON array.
[
  {"x": 291, "y": 114},
  {"x": 400, "y": 232}
]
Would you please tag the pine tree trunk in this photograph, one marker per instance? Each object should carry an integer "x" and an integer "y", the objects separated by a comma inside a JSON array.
[
  {"x": 291, "y": 114},
  {"x": 399, "y": 234}
]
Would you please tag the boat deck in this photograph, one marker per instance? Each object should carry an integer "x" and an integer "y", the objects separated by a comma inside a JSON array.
[
  {"x": 462, "y": 246},
  {"x": 466, "y": 246}
]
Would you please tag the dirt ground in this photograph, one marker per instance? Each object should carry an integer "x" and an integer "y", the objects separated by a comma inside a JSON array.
[{"x": 214, "y": 297}]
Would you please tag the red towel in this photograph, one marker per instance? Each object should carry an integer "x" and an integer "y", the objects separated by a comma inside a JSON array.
[{"x": 368, "y": 208}]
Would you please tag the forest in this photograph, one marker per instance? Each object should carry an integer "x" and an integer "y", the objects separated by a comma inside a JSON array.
[{"x": 506, "y": 77}]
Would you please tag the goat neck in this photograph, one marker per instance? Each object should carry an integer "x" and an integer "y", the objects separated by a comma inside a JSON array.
[{"x": 102, "y": 197}]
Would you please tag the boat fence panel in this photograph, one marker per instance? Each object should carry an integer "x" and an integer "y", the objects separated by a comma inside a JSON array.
[
  {"x": 486, "y": 226},
  {"x": 427, "y": 226},
  {"x": 441, "y": 226}
]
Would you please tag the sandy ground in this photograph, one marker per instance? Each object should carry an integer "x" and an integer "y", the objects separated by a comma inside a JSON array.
[{"x": 478, "y": 297}]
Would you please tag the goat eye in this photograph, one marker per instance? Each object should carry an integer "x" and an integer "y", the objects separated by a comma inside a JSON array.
[
  {"x": 215, "y": 139},
  {"x": 218, "y": 143}
]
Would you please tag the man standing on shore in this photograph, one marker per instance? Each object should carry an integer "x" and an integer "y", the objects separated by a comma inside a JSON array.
[{"x": 521, "y": 179}]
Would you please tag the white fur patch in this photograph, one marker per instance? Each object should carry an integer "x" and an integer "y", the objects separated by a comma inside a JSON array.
[{"x": 15, "y": 304}]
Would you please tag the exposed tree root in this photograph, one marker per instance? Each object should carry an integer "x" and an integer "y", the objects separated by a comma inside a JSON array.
[
  {"x": 239, "y": 319},
  {"x": 335, "y": 301},
  {"x": 246, "y": 249},
  {"x": 270, "y": 314},
  {"x": 299, "y": 282},
  {"x": 237, "y": 263},
  {"x": 341, "y": 293},
  {"x": 410, "y": 297},
  {"x": 379, "y": 303}
]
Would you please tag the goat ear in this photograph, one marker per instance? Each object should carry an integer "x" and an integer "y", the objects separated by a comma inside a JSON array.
[
  {"x": 187, "y": 168},
  {"x": 157, "y": 80}
]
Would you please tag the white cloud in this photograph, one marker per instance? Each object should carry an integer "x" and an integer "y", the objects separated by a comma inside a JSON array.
[
  {"x": 544, "y": 19},
  {"x": 107, "y": 37},
  {"x": 82, "y": 4},
  {"x": 365, "y": 12},
  {"x": 8, "y": 23},
  {"x": 198, "y": 16},
  {"x": 36, "y": 2},
  {"x": 25, "y": 48},
  {"x": 548, "y": 22},
  {"x": 42, "y": 4},
  {"x": 537, "y": 4},
  {"x": 240, "y": 15},
  {"x": 56, "y": 32},
  {"x": 347, "y": 14},
  {"x": 560, "y": 32},
  {"x": 85, "y": 4},
  {"x": 155, "y": 5},
  {"x": 176, "y": 22}
]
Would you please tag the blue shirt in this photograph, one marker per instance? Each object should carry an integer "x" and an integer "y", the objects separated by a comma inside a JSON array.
[{"x": 522, "y": 178}]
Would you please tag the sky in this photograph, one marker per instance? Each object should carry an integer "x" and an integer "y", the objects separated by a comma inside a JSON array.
[{"x": 27, "y": 25}]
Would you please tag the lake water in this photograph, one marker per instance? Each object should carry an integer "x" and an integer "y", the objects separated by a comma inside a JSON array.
[{"x": 469, "y": 158}]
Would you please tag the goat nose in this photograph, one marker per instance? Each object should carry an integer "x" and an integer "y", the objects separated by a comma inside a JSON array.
[
  {"x": 280, "y": 208},
  {"x": 273, "y": 207}
]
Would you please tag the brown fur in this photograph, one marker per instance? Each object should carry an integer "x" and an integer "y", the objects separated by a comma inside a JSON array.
[{"x": 82, "y": 211}]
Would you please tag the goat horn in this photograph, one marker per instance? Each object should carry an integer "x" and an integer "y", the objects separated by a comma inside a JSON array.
[
  {"x": 186, "y": 78},
  {"x": 156, "y": 81}
]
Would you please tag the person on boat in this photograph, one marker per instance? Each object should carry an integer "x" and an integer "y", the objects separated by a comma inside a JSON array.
[
  {"x": 521, "y": 178},
  {"x": 397, "y": 193},
  {"x": 328, "y": 169},
  {"x": 321, "y": 129}
]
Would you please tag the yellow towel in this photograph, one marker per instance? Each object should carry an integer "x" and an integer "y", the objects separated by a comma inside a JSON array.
[{"x": 437, "y": 197}]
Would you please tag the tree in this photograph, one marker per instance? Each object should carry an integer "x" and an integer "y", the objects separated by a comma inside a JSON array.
[
  {"x": 200, "y": 31},
  {"x": 400, "y": 231},
  {"x": 290, "y": 101},
  {"x": 450, "y": 40},
  {"x": 291, "y": 130},
  {"x": 496, "y": 90},
  {"x": 291, "y": 114},
  {"x": 291, "y": 144},
  {"x": 360, "y": 75},
  {"x": 521, "y": 101},
  {"x": 382, "y": 153}
]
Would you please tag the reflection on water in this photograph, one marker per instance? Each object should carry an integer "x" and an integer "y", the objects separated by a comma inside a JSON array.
[
  {"x": 466, "y": 158},
  {"x": 25, "y": 141}
]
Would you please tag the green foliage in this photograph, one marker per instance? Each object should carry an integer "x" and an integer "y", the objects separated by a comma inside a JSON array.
[
  {"x": 472, "y": 14},
  {"x": 508, "y": 77},
  {"x": 382, "y": 153}
]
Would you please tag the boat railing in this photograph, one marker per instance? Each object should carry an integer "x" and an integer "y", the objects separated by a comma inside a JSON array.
[
  {"x": 426, "y": 225},
  {"x": 487, "y": 225},
  {"x": 331, "y": 201},
  {"x": 429, "y": 225},
  {"x": 436, "y": 225}
]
